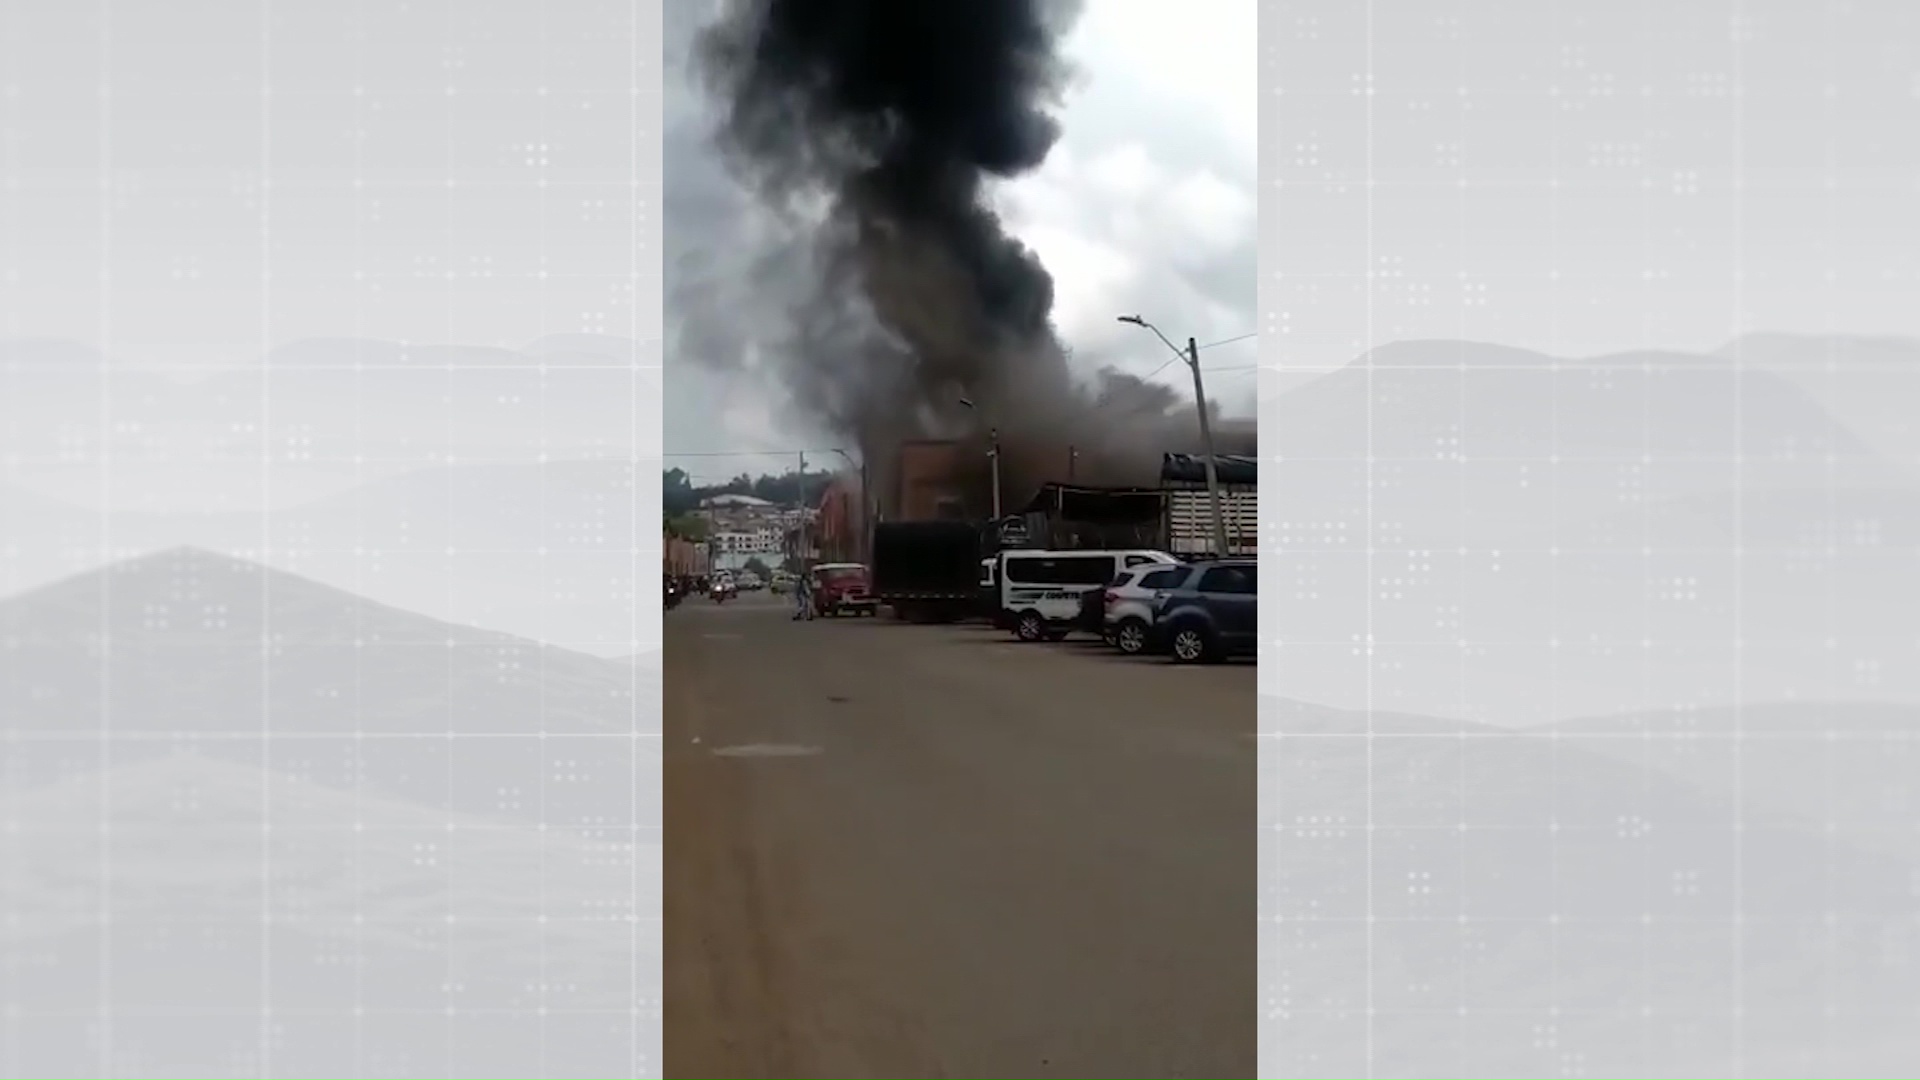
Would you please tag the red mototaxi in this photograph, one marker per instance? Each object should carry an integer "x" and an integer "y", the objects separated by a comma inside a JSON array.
[{"x": 842, "y": 589}]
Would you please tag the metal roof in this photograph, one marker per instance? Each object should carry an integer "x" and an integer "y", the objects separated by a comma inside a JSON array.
[{"x": 1236, "y": 469}]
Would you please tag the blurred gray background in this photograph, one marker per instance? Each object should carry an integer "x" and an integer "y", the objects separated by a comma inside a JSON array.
[
  {"x": 1591, "y": 510},
  {"x": 329, "y": 390}
]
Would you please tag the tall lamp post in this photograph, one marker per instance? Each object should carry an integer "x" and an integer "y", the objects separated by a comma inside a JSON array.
[
  {"x": 1191, "y": 355},
  {"x": 993, "y": 451}
]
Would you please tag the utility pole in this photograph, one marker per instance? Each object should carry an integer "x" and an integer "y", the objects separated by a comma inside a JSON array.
[
  {"x": 1073, "y": 457},
  {"x": 800, "y": 485},
  {"x": 1206, "y": 442},
  {"x": 993, "y": 436}
]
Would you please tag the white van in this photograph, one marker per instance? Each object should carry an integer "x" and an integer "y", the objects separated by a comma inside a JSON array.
[{"x": 1040, "y": 591}]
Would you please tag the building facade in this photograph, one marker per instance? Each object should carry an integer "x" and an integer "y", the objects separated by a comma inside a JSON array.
[{"x": 839, "y": 535}]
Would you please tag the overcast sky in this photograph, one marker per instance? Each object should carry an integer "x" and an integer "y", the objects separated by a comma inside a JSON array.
[{"x": 189, "y": 184}]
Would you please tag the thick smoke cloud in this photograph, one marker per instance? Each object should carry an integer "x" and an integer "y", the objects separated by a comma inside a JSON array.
[{"x": 872, "y": 129}]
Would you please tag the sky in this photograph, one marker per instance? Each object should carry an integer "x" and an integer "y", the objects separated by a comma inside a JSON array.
[
  {"x": 203, "y": 183},
  {"x": 1146, "y": 206},
  {"x": 1581, "y": 179},
  {"x": 202, "y": 186}
]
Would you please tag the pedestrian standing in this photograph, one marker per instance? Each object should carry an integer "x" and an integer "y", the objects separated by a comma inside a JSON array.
[{"x": 802, "y": 596}]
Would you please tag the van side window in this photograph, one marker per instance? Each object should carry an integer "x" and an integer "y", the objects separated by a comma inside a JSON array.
[
  {"x": 1032, "y": 572},
  {"x": 1065, "y": 570},
  {"x": 1139, "y": 560},
  {"x": 1086, "y": 570}
]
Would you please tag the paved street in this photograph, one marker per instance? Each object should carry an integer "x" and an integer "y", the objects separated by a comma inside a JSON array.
[{"x": 905, "y": 851}]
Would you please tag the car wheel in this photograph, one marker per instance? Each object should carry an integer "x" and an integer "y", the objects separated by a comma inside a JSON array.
[
  {"x": 1131, "y": 637},
  {"x": 1190, "y": 645},
  {"x": 1030, "y": 627}
]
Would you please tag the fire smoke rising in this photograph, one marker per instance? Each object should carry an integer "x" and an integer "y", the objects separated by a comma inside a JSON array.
[{"x": 873, "y": 128}]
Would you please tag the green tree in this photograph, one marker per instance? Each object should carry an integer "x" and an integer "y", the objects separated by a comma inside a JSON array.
[
  {"x": 677, "y": 493},
  {"x": 680, "y": 495},
  {"x": 757, "y": 568},
  {"x": 687, "y": 526}
]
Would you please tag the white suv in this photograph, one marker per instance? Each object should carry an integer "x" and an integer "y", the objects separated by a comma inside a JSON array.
[{"x": 1128, "y": 616}]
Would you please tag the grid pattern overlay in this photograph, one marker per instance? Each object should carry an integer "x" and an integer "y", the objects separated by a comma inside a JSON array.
[
  {"x": 329, "y": 333},
  {"x": 1587, "y": 699}
]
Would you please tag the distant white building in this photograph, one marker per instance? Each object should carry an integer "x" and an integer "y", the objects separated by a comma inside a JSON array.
[{"x": 732, "y": 549}]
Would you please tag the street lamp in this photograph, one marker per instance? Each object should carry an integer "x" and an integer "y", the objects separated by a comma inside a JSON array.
[
  {"x": 1192, "y": 357},
  {"x": 993, "y": 451}
]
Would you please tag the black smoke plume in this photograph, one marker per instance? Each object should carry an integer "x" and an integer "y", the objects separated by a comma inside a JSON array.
[{"x": 873, "y": 128}]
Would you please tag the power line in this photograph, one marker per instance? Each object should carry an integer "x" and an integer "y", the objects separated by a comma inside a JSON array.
[
  {"x": 750, "y": 453},
  {"x": 1203, "y": 348},
  {"x": 1231, "y": 340}
]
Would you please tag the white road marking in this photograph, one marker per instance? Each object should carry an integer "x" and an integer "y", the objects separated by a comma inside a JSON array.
[
  {"x": 766, "y": 750},
  {"x": 721, "y": 637}
]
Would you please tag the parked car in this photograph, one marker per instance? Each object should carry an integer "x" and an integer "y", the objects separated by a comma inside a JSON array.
[
  {"x": 1212, "y": 612},
  {"x": 842, "y": 589},
  {"x": 1042, "y": 593},
  {"x": 1126, "y": 606}
]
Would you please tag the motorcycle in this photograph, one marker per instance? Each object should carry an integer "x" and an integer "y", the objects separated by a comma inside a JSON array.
[
  {"x": 723, "y": 592},
  {"x": 672, "y": 595}
]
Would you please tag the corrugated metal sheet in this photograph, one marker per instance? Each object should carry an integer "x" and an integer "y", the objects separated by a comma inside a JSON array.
[{"x": 1190, "y": 521}]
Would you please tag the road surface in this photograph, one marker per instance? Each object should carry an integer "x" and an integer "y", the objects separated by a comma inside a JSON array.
[{"x": 911, "y": 851}]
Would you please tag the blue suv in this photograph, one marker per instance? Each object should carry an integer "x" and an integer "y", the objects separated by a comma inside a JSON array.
[{"x": 1210, "y": 613}]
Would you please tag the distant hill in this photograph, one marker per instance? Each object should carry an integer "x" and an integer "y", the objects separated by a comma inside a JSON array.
[
  {"x": 314, "y": 418},
  {"x": 253, "y": 787},
  {"x": 1869, "y": 383},
  {"x": 1525, "y": 538},
  {"x": 546, "y": 551},
  {"x": 189, "y": 642}
]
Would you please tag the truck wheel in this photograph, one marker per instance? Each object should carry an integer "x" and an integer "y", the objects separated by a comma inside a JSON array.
[
  {"x": 1130, "y": 637},
  {"x": 1030, "y": 626}
]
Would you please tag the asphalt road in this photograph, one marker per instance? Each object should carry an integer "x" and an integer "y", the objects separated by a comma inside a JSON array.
[{"x": 944, "y": 853}]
